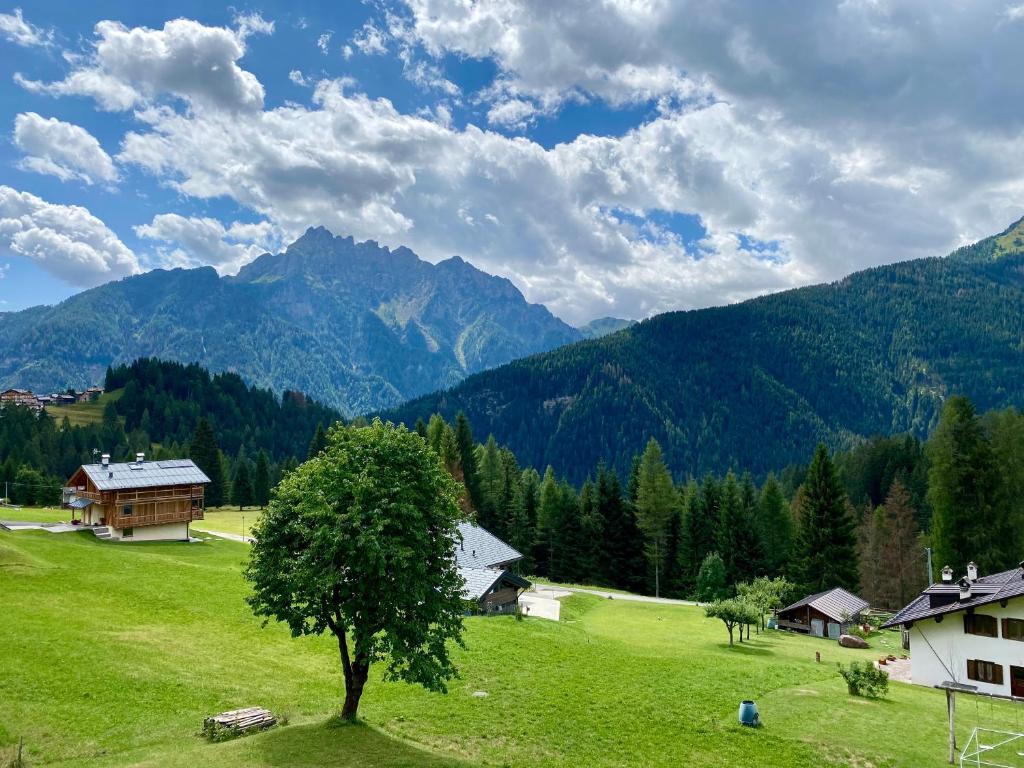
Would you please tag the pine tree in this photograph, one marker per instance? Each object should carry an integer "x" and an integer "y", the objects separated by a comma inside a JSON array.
[
  {"x": 491, "y": 477},
  {"x": 261, "y": 480},
  {"x": 435, "y": 431},
  {"x": 318, "y": 443},
  {"x": 964, "y": 489},
  {"x": 656, "y": 502},
  {"x": 711, "y": 579},
  {"x": 467, "y": 459},
  {"x": 730, "y": 520},
  {"x": 204, "y": 452},
  {"x": 775, "y": 527},
  {"x": 421, "y": 428},
  {"x": 825, "y": 552},
  {"x": 547, "y": 519},
  {"x": 241, "y": 487},
  {"x": 623, "y": 542},
  {"x": 871, "y": 536},
  {"x": 902, "y": 561}
]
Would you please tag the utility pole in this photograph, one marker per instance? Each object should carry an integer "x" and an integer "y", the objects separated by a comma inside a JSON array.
[
  {"x": 928, "y": 551},
  {"x": 657, "y": 568}
]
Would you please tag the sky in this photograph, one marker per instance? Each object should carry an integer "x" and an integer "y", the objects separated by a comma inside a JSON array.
[{"x": 622, "y": 158}]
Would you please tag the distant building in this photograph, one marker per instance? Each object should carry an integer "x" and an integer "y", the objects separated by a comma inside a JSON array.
[
  {"x": 483, "y": 560},
  {"x": 140, "y": 500},
  {"x": 969, "y": 632},
  {"x": 825, "y": 614},
  {"x": 20, "y": 397}
]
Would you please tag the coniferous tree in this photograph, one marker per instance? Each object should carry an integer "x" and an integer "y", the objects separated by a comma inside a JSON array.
[
  {"x": 435, "y": 432},
  {"x": 903, "y": 566},
  {"x": 730, "y": 521},
  {"x": 775, "y": 527},
  {"x": 261, "y": 480},
  {"x": 964, "y": 489},
  {"x": 523, "y": 528},
  {"x": 656, "y": 502},
  {"x": 547, "y": 519},
  {"x": 622, "y": 540},
  {"x": 711, "y": 579},
  {"x": 491, "y": 477},
  {"x": 1005, "y": 430},
  {"x": 421, "y": 428},
  {"x": 467, "y": 458},
  {"x": 318, "y": 443},
  {"x": 204, "y": 452},
  {"x": 871, "y": 535},
  {"x": 241, "y": 487},
  {"x": 825, "y": 553}
]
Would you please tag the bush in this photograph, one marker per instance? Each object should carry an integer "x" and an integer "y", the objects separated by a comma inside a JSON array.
[{"x": 864, "y": 678}]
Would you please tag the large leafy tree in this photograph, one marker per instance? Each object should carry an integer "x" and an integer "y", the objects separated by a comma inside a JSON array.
[
  {"x": 963, "y": 488},
  {"x": 826, "y": 543},
  {"x": 358, "y": 541}
]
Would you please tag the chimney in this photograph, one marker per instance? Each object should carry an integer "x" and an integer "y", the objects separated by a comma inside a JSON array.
[
  {"x": 947, "y": 575},
  {"x": 105, "y": 459},
  {"x": 139, "y": 458},
  {"x": 972, "y": 571},
  {"x": 965, "y": 589}
]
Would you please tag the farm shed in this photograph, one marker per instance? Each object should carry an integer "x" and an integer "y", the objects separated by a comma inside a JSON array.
[{"x": 825, "y": 614}]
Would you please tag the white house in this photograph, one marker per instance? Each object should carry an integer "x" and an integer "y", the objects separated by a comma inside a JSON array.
[{"x": 969, "y": 632}]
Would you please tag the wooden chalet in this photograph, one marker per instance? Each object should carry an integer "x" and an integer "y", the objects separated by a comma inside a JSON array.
[
  {"x": 824, "y": 614},
  {"x": 140, "y": 500},
  {"x": 483, "y": 561}
]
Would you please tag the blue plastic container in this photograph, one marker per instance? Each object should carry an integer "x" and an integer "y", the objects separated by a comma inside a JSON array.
[{"x": 748, "y": 714}]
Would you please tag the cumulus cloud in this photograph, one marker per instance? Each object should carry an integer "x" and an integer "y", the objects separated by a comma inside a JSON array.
[
  {"x": 195, "y": 241},
  {"x": 13, "y": 27},
  {"x": 128, "y": 67},
  {"x": 370, "y": 40},
  {"x": 324, "y": 42},
  {"x": 61, "y": 149},
  {"x": 65, "y": 240}
]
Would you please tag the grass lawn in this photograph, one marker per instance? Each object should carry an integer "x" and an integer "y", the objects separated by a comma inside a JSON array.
[
  {"x": 228, "y": 520},
  {"x": 83, "y": 414},
  {"x": 36, "y": 514},
  {"x": 111, "y": 654}
]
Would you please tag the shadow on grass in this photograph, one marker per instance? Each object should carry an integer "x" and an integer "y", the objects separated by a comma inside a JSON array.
[
  {"x": 336, "y": 744},
  {"x": 747, "y": 648}
]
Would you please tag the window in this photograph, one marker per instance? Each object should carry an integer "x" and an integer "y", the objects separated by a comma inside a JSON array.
[
  {"x": 127, "y": 533},
  {"x": 1013, "y": 629},
  {"x": 979, "y": 624},
  {"x": 985, "y": 672},
  {"x": 126, "y": 510}
]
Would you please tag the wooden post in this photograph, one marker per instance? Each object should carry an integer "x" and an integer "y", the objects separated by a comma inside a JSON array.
[{"x": 951, "y": 709}]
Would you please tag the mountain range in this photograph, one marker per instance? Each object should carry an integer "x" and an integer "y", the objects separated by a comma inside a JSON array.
[
  {"x": 756, "y": 385},
  {"x": 355, "y": 325}
]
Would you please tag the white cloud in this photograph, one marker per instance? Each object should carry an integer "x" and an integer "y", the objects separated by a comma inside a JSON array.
[
  {"x": 252, "y": 24},
  {"x": 370, "y": 40},
  {"x": 195, "y": 241},
  {"x": 3, "y": 270},
  {"x": 323, "y": 42},
  {"x": 1014, "y": 12},
  {"x": 65, "y": 240},
  {"x": 127, "y": 67},
  {"x": 62, "y": 149},
  {"x": 13, "y": 27},
  {"x": 298, "y": 78}
]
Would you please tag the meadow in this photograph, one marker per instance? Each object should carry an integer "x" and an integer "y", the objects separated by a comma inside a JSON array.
[{"x": 111, "y": 655}]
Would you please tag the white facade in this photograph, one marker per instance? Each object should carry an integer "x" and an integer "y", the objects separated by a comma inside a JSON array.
[
  {"x": 165, "y": 532},
  {"x": 940, "y": 650}
]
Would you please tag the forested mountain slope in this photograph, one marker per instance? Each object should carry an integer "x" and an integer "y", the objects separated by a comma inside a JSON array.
[
  {"x": 354, "y": 325},
  {"x": 755, "y": 385}
]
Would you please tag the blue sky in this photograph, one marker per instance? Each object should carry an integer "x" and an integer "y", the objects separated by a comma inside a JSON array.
[{"x": 652, "y": 157}]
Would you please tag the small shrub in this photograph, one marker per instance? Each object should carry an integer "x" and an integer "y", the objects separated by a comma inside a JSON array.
[{"x": 863, "y": 678}]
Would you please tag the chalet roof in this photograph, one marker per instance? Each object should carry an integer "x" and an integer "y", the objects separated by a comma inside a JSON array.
[
  {"x": 835, "y": 603},
  {"x": 480, "y": 548},
  {"x": 479, "y": 581},
  {"x": 144, "y": 474},
  {"x": 984, "y": 591}
]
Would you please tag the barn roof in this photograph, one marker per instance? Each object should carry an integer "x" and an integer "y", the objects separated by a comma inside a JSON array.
[
  {"x": 145, "y": 474},
  {"x": 835, "y": 603},
  {"x": 478, "y": 581},
  {"x": 985, "y": 590},
  {"x": 479, "y": 548}
]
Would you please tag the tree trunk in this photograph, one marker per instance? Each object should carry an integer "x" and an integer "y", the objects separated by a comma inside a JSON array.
[
  {"x": 354, "y": 683},
  {"x": 730, "y": 633}
]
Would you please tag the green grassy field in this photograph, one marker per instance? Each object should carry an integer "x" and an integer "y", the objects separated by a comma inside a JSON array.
[
  {"x": 83, "y": 414},
  {"x": 111, "y": 654},
  {"x": 228, "y": 520}
]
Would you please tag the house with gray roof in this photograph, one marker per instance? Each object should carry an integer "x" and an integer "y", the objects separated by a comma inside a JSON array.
[
  {"x": 969, "y": 632},
  {"x": 484, "y": 562},
  {"x": 824, "y": 614},
  {"x": 139, "y": 500}
]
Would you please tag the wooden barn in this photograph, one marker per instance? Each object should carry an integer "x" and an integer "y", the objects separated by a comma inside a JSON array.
[
  {"x": 825, "y": 614},
  {"x": 140, "y": 500}
]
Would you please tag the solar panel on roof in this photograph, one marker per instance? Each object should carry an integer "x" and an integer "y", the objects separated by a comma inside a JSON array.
[{"x": 174, "y": 464}]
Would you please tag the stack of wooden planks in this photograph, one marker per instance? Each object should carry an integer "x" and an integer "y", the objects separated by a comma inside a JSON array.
[{"x": 239, "y": 721}]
